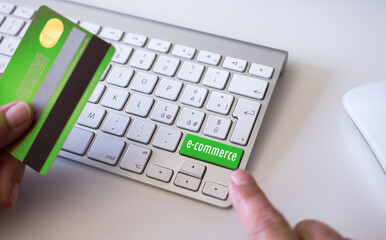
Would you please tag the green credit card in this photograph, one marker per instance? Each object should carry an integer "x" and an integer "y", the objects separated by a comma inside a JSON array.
[{"x": 55, "y": 68}]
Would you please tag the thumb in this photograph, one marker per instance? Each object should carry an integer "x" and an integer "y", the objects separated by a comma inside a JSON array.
[
  {"x": 15, "y": 118},
  {"x": 259, "y": 218}
]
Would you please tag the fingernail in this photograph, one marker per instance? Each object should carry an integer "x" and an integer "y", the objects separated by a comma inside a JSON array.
[
  {"x": 18, "y": 114},
  {"x": 241, "y": 177},
  {"x": 14, "y": 194}
]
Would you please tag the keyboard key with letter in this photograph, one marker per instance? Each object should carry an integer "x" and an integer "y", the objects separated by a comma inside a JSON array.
[
  {"x": 217, "y": 127},
  {"x": 91, "y": 116}
]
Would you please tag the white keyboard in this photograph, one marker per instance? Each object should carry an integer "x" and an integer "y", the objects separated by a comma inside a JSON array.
[{"x": 179, "y": 109}]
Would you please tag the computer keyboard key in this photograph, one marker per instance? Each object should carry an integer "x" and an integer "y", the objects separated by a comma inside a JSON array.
[
  {"x": 260, "y": 70},
  {"x": 135, "y": 39},
  {"x": 234, "y": 64},
  {"x": 7, "y": 8},
  {"x": 97, "y": 93},
  {"x": 217, "y": 127},
  {"x": 160, "y": 173},
  {"x": 78, "y": 141},
  {"x": 166, "y": 66},
  {"x": 144, "y": 82},
  {"x": 209, "y": 58},
  {"x": 111, "y": 33},
  {"x": 106, "y": 149},
  {"x": 122, "y": 53},
  {"x": 159, "y": 45},
  {"x": 190, "y": 119},
  {"x": 91, "y": 27},
  {"x": 135, "y": 159},
  {"x": 3, "y": 63},
  {"x": 215, "y": 78},
  {"x": 142, "y": 59},
  {"x": 12, "y": 26},
  {"x": 169, "y": 89},
  {"x": 120, "y": 76},
  {"x": 139, "y": 105},
  {"x": 246, "y": 112},
  {"x": 167, "y": 139},
  {"x": 116, "y": 124},
  {"x": 192, "y": 169},
  {"x": 219, "y": 103},
  {"x": 215, "y": 190},
  {"x": 247, "y": 86},
  {"x": 187, "y": 182},
  {"x": 191, "y": 72},
  {"x": 164, "y": 112},
  {"x": 24, "y": 12},
  {"x": 194, "y": 96},
  {"x": 184, "y": 51},
  {"x": 141, "y": 131},
  {"x": 91, "y": 116},
  {"x": 115, "y": 98},
  {"x": 211, "y": 151},
  {"x": 9, "y": 45}
]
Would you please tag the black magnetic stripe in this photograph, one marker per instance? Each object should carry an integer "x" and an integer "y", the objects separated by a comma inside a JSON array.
[{"x": 66, "y": 103}]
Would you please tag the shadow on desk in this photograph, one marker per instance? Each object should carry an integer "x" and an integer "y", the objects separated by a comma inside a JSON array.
[
  {"x": 296, "y": 94},
  {"x": 45, "y": 193}
]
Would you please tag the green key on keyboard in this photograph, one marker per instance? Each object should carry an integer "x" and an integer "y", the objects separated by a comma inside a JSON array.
[{"x": 211, "y": 151}]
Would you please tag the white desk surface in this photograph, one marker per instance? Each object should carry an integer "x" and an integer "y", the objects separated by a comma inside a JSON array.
[{"x": 309, "y": 158}]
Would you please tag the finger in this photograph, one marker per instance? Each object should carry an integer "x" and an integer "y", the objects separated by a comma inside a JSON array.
[
  {"x": 311, "y": 229},
  {"x": 11, "y": 173},
  {"x": 259, "y": 218},
  {"x": 15, "y": 118}
]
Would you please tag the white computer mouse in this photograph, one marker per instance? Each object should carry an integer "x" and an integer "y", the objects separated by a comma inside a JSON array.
[{"x": 366, "y": 106}]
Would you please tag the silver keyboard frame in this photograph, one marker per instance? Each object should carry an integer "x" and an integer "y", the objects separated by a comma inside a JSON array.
[{"x": 176, "y": 35}]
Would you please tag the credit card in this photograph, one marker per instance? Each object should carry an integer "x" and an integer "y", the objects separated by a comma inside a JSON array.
[{"x": 55, "y": 68}]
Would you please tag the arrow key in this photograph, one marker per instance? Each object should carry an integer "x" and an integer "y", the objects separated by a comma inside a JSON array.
[
  {"x": 193, "y": 169},
  {"x": 160, "y": 173},
  {"x": 187, "y": 182},
  {"x": 215, "y": 190}
]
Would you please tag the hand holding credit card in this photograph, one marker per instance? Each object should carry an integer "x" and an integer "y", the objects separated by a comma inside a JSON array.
[{"x": 55, "y": 68}]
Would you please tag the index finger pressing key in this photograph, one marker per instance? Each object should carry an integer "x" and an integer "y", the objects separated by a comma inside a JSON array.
[{"x": 259, "y": 218}]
